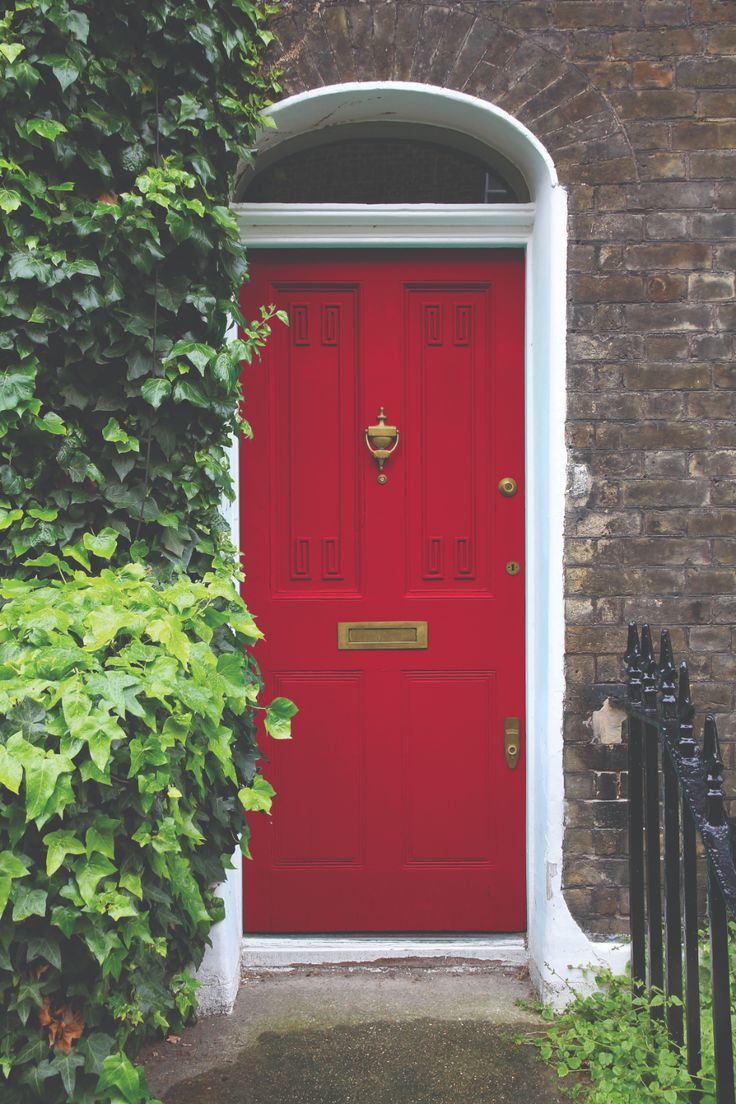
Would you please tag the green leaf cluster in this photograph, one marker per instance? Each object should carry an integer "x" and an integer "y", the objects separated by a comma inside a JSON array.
[
  {"x": 128, "y": 753},
  {"x": 609, "y": 1048},
  {"x": 121, "y": 126}
]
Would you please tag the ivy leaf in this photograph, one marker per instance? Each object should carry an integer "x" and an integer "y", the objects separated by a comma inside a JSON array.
[
  {"x": 11, "y": 50},
  {"x": 63, "y": 68},
  {"x": 102, "y": 544},
  {"x": 115, "y": 433},
  {"x": 13, "y": 866},
  {"x": 10, "y": 200},
  {"x": 89, "y": 873},
  {"x": 41, "y": 777},
  {"x": 118, "y": 1072},
  {"x": 6, "y": 884},
  {"x": 258, "y": 796},
  {"x": 11, "y": 771},
  {"x": 278, "y": 718},
  {"x": 94, "y": 1049},
  {"x": 60, "y": 844},
  {"x": 67, "y": 1066},
  {"x": 154, "y": 391},
  {"x": 77, "y": 24},
  {"x": 100, "y": 837},
  {"x": 43, "y": 947},
  {"x": 28, "y": 902},
  {"x": 46, "y": 128},
  {"x": 28, "y": 717},
  {"x": 16, "y": 385}
]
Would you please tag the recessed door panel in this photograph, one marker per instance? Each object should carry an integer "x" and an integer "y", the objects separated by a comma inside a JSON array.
[{"x": 376, "y": 540}]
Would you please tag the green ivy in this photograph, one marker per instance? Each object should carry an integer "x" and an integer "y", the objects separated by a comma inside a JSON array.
[
  {"x": 609, "y": 1049},
  {"x": 128, "y": 695},
  {"x": 121, "y": 126},
  {"x": 127, "y": 756}
]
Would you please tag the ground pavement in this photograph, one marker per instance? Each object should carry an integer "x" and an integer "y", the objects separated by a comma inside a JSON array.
[{"x": 390, "y": 1034}]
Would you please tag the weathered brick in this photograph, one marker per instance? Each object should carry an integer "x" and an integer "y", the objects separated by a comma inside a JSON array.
[
  {"x": 666, "y": 492},
  {"x": 724, "y": 552},
  {"x": 713, "y": 225},
  {"x": 640, "y": 317},
  {"x": 707, "y": 73},
  {"x": 666, "y": 377},
  {"x": 665, "y": 287},
  {"x": 716, "y": 134},
  {"x": 712, "y": 11},
  {"x": 713, "y": 165},
  {"x": 656, "y": 256},
  {"x": 714, "y": 464},
  {"x": 650, "y": 74},
  {"x": 722, "y": 40},
  {"x": 672, "y": 195},
  {"x": 655, "y": 103},
  {"x": 666, "y": 13},
  {"x": 591, "y": 13},
  {"x": 666, "y": 347},
  {"x": 709, "y": 638},
  {"x": 654, "y": 44},
  {"x": 709, "y": 286},
  {"x": 667, "y": 523},
  {"x": 662, "y": 166},
  {"x": 710, "y": 580},
  {"x": 715, "y": 105},
  {"x": 617, "y": 289},
  {"x": 711, "y": 523},
  {"x": 663, "y": 550}
]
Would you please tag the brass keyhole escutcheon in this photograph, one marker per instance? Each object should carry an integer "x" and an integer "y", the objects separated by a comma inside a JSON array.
[
  {"x": 511, "y": 740},
  {"x": 513, "y": 567},
  {"x": 508, "y": 487}
]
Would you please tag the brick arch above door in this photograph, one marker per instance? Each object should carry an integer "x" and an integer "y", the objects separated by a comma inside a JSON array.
[{"x": 452, "y": 46}]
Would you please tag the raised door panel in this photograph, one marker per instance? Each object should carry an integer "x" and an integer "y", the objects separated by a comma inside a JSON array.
[
  {"x": 447, "y": 773},
  {"x": 332, "y": 719},
  {"x": 314, "y": 435},
  {"x": 449, "y": 440}
]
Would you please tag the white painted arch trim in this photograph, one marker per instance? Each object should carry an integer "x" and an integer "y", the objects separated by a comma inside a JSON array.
[{"x": 557, "y": 946}]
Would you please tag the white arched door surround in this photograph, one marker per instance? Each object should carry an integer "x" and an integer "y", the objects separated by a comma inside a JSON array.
[{"x": 557, "y": 947}]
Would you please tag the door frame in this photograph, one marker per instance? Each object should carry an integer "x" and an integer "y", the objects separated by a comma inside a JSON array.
[{"x": 557, "y": 946}]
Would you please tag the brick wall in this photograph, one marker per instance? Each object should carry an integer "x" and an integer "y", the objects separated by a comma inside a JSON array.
[{"x": 634, "y": 99}]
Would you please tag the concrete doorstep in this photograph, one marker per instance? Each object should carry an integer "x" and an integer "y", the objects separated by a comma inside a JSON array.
[{"x": 393, "y": 1033}]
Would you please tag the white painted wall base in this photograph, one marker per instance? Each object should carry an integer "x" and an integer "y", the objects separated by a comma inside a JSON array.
[
  {"x": 268, "y": 952},
  {"x": 219, "y": 973}
]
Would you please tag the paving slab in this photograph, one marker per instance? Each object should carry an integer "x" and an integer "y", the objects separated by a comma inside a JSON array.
[{"x": 379, "y": 1034}]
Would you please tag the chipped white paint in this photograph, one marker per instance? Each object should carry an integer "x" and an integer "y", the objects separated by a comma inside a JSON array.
[{"x": 608, "y": 724}]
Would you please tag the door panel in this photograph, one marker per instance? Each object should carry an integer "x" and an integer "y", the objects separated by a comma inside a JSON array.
[{"x": 395, "y": 807}]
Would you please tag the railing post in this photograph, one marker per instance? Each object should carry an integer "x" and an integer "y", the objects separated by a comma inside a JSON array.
[
  {"x": 689, "y": 752},
  {"x": 651, "y": 818},
  {"x": 672, "y": 913},
  {"x": 636, "y": 814}
]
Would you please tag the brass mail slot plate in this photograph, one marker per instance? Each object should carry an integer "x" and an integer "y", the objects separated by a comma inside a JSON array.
[{"x": 375, "y": 635}]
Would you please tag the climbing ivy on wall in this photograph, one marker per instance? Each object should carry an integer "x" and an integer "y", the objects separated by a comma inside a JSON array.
[
  {"x": 121, "y": 127},
  {"x": 128, "y": 697}
]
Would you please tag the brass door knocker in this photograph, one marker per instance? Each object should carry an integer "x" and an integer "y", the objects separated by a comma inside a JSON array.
[{"x": 382, "y": 441}]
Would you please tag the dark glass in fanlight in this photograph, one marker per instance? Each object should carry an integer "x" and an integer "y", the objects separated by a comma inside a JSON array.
[{"x": 375, "y": 170}]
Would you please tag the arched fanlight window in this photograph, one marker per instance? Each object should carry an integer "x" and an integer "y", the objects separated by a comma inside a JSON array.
[{"x": 386, "y": 163}]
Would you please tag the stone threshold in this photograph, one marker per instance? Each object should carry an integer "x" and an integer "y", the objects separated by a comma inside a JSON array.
[{"x": 271, "y": 952}]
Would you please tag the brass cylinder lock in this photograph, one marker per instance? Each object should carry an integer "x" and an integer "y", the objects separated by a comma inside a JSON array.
[
  {"x": 513, "y": 567},
  {"x": 508, "y": 487}
]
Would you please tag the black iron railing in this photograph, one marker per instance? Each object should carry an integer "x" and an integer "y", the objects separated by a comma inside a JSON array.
[{"x": 666, "y": 851}]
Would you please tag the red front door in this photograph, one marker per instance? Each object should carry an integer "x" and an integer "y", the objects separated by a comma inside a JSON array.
[{"x": 396, "y": 808}]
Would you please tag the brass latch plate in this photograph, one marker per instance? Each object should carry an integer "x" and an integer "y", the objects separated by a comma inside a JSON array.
[
  {"x": 375, "y": 635},
  {"x": 511, "y": 740}
]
